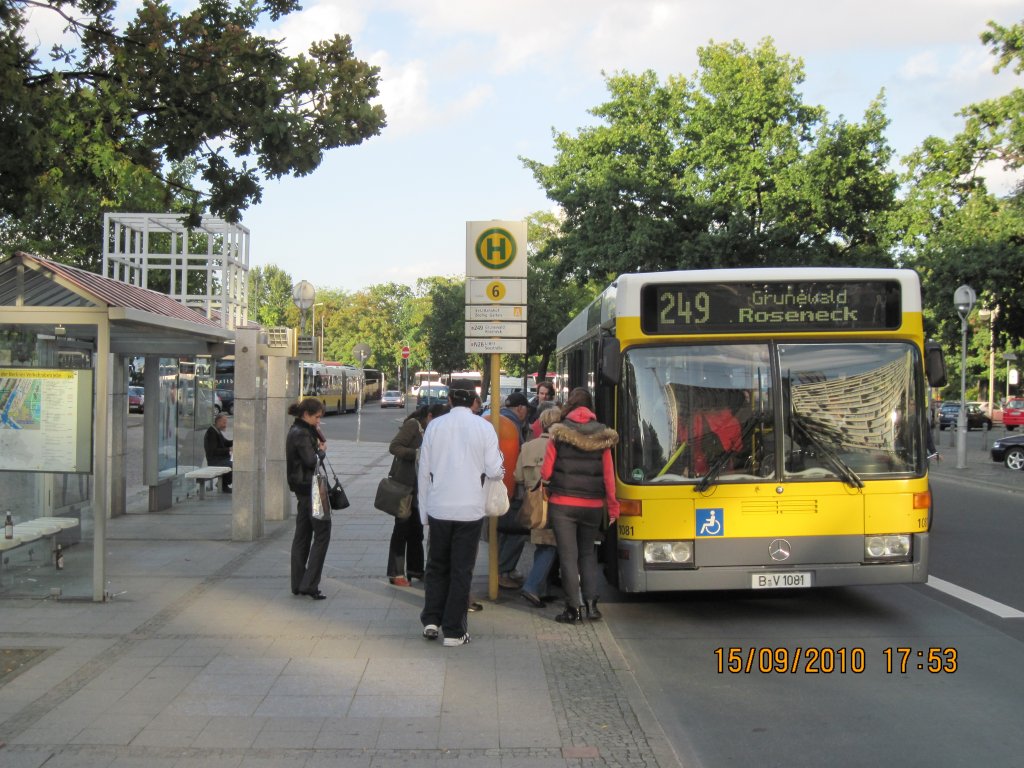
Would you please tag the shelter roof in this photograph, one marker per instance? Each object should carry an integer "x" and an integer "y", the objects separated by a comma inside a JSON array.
[{"x": 142, "y": 320}]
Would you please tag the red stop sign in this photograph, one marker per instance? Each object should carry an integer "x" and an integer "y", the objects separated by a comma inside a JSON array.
[{"x": 405, "y": 353}]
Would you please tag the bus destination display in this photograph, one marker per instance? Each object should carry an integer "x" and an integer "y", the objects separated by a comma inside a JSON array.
[{"x": 675, "y": 308}]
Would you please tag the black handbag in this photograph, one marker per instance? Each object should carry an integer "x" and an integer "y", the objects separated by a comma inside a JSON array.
[
  {"x": 394, "y": 497},
  {"x": 336, "y": 495}
]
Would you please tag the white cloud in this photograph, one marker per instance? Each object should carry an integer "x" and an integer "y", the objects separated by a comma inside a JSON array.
[
  {"x": 319, "y": 21},
  {"x": 921, "y": 65},
  {"x": 410, "y": 104},
  {"x": 999, "y": 179}
]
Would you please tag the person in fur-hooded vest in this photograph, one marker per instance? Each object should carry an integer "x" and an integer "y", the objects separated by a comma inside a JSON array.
[{"x": 580, "y": 479}]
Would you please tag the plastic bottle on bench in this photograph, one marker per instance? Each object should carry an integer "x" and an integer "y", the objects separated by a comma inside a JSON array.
[{"x": 8, "y": 527}]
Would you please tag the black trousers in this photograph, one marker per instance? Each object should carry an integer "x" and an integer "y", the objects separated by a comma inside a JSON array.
[
  {"x": 450, "y": 561},
  {"x": 576, "y": 529},
  {"x": 309, "y": 546},
  {"x": 405, "y": 554}
]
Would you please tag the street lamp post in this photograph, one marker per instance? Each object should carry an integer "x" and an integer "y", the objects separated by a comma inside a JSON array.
[
  {"x": 1009, "y": 357},
  {"x": 318, "y": 351},
  {"x": 989, "y": 316},
  {"x": 964, "y": 298}
]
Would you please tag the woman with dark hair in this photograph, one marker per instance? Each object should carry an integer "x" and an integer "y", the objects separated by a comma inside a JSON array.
[
  {"x": 405, "y": 554},
  {"x": 305, "y": 447},
  {"x": 580, "y": 478}
]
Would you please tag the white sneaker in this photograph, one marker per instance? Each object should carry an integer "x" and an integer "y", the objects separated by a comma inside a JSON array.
[
  {"x": 452, "y": 642},
  {"x": 430, "y": 632}
]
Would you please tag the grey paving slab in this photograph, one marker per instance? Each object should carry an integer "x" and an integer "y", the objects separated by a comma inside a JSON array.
[{"x": 203, "y": 658}]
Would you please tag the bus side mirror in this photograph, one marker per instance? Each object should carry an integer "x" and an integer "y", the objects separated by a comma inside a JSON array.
[
  {"x": 934, "y": 364},
  {"x": 611, "y": 360}
]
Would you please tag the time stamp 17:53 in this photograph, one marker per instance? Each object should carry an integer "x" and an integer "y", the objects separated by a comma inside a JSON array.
[{"x": 828, "y": 660}]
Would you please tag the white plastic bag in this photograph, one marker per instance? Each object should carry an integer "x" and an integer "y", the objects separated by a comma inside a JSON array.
[{"x": 495, "y": 497}]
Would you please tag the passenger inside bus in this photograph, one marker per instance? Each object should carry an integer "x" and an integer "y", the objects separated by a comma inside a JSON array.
[{"x": 706, "y": 428}]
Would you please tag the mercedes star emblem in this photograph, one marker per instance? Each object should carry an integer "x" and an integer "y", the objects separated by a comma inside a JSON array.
[{"x": 779, "y": 550}]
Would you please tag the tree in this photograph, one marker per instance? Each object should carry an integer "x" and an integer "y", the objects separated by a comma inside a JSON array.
[
  {"x": 445, "y": 327},
  {"x": 105, "y": 121},
  {"x": 953, "y": 228},
  {"x": 552, "y": 302},
  {"x": 270, "y": 296},
  {"x": 728, "y": 168}
]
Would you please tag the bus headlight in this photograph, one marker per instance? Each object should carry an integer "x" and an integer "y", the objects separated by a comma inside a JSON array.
[
  {"x": 668, "y": 553},
  {"x": 888, "y": 548}
]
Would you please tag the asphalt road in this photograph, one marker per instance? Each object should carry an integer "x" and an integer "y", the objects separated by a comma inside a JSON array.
[{"x": 966, "y": 713}]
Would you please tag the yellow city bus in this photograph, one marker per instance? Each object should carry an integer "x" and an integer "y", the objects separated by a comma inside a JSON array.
[
  {"x": 338, "y": 386},
  {"x": 773, "y": 425}
]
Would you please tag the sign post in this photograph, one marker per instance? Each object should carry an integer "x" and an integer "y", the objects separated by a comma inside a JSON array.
[
  {"x": 361, "y": 352},
  {"x": 405, "y": 366},
  {"x": 496, "y": 319}
]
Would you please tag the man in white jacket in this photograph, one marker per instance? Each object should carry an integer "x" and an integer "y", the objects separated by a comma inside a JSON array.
[{"x": 459, "y": 450}]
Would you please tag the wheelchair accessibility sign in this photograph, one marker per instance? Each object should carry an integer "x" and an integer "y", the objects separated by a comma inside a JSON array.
[{"x": 711, "y": 522}]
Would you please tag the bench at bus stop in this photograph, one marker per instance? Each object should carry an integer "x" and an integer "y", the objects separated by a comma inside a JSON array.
[{"x": 205, "y": 475}]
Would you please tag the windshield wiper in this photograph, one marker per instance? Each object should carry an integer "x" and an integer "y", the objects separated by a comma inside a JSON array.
[
  {"x": 726, "y": 456},
  {"x": 841, "y": 467}
]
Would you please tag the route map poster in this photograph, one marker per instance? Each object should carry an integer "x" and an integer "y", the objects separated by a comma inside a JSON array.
[{"x": 45, "y": 420}]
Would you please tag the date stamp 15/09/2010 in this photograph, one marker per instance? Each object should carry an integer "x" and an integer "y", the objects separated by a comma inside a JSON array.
[{"x": 829, "y": 660}]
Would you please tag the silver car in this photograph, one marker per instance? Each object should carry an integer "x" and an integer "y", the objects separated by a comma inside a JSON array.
[{"x": 392, "y": 399}]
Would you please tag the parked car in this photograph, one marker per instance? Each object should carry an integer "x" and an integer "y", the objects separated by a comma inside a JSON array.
[
  {"x": 1013, "y": 413},
  {"x": 1010, "y": 451},
  {"x": 949, "y": 413},
  {"x": 136, "y": 400},
  {"x": 392, "y": 399}
]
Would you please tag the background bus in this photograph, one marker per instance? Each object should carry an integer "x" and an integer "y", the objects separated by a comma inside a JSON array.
[
  {"x": 419, "y": 378},
  {"x": 373, "y": 384},
  {"x": 772, "y": 424},
  {"x": 471, "y": 380},
  {"x": 337, "y": 385}
]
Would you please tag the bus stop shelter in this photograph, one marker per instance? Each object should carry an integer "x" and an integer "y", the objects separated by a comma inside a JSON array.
[{"x": 56, "y": 318}]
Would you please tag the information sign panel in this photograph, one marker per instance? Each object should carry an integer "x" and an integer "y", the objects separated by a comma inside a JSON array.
[
  {"x": 46, "y": 422},
  {"x": 505, "y": 330},
  {"x": 496, "y": 312},
  {"x": 496, "y": 346},
  {"x": 486, "y": 290}
]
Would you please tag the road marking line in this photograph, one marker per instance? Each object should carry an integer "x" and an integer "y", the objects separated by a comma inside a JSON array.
[{"x": 978, "y": 601}]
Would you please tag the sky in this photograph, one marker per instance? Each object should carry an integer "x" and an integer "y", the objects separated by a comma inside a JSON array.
[{"x": 469, "y": 87}]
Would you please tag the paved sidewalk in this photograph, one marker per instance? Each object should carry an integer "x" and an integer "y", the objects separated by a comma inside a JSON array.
[
  {"x": 979, "y": 469},
  {"x": 202, "y": 657}
]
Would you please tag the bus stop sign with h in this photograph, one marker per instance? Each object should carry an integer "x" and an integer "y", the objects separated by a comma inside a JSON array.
[{"x": 495, "y": 317}]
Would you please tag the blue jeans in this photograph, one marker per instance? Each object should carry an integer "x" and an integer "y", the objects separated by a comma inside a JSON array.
[{"x": 537, "y": 581}]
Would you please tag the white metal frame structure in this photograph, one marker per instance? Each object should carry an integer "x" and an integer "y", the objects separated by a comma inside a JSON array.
[{"x": 129, "y": 240}]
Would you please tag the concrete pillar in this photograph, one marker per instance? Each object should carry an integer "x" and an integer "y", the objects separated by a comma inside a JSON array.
[
  {"x": 249, "y": 427},
  {"x": 101, "y": 482},
  {"x": 282, "y": 391},
  {"x": 119, "y": 436},
  {"x": 152, "y": 424}
]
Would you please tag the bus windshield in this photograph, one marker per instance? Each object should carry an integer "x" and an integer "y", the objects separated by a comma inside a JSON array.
[{"x": 749, "y": 412}]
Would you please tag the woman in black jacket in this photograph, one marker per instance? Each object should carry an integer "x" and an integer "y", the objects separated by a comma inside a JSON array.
[
  {"x": 304, "y": 448},
  {"x": 405, "y": 554}
]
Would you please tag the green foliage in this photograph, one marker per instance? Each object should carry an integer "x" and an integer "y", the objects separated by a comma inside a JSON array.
[
  {"x": 728, "y": 168},
  {"x": 108, "y": 123},
  {"x": 444, "y": 327},
  {"x": 954, "y": 229},
  {"x": 270, "y": 297},
  {"x": 552, "y": 302}
]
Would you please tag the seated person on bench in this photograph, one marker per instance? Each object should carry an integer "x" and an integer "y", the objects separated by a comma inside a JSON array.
[{"x": 218, "y": 449}]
